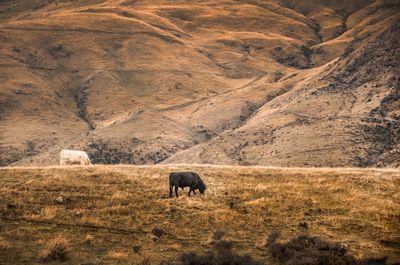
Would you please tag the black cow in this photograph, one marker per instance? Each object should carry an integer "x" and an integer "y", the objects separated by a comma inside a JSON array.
[{"x": 186, "y": 179}]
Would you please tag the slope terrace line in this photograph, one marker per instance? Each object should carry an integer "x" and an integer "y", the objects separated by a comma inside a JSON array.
[
  {"x": 65, "y": 69},
  {"x": 90, "y": 31},
  {"x": 212, "y": 96}
]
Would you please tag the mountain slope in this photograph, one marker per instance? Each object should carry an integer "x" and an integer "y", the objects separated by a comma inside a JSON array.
[
  {"x": 291, "y": 83},
  {"x": 346, "y": 114}
]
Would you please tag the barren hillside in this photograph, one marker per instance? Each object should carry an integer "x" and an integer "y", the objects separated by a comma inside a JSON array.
[{"x": 279, "y": 82}]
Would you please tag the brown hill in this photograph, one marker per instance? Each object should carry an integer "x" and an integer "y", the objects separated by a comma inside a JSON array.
[{"x": 293, "y": 83}]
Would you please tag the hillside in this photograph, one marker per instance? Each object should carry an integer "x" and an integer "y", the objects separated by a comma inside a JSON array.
[
  {"x": 108, "y": 213},
  {"x": 279, "y": 82}
]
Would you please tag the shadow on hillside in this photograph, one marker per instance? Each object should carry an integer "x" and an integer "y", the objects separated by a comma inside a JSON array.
[{"x": 301, "y": 250}]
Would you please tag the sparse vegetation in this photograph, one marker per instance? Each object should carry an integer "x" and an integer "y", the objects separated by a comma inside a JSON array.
[
  {"x": 100, "y": 152},
  {"x": 4, "y": 245},
  {"x": 117, "y": 254},
  {"x": 221, "y": 255},
  {"x": 30, "y": 148},
  {"x": 255, "y": 67},
  {"x": 109, "y": 212},
  {"x": 278, "y": 75},
  {"x": 301, "y": 250},
  {"x": 282, "y": 82},
  {"x": 89, "y": 239},
  {"x": 144, "y": 261},
  {"x": 56, "y": 250},
  {"x": 307, "y": 52},
  {"x": 311, "y": 250}
]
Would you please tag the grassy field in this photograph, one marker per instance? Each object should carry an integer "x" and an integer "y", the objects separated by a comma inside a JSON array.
[{"x": 107, "y": 213}]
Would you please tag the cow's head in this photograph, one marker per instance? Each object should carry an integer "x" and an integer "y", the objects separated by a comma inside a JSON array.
[{"x": 202, "y": 187}]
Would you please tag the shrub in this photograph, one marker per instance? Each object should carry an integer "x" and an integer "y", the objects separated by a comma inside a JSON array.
[
  {"x": 311, "y": 250},
  {"x": 89, "y": 239},
  {"x": 215, "y": 236},
  {"x": 144, "y": 261},
  {"x": 158, "y": 232},
  {"x": 56, "y": 249},
  {"x": 222, "y": 255}
]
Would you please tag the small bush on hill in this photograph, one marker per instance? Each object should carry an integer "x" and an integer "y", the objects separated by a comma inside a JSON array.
[
  {"x": 56, "y": 249},
  {"x": 311, "y": 250},
  {"x": 221, "y": 255},
  {"x": 301, "y": 250}
]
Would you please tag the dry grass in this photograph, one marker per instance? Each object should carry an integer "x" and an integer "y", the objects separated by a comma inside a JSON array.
[
  {"x": 107, "y": 210},
  {"x": 56, "y": 250},
  {"x": 4, "y": 245},
  {"x": 89, "y": 239},
  {"x": 117, "y": 254}
]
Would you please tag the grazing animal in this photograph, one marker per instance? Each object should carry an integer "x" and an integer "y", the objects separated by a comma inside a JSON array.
[
  {"x": 186, "y": 179},
  {"x": 74, "y": 157}
]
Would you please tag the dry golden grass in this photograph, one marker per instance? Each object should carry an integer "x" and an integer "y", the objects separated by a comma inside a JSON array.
[
  {"x": 107, "y": 210},
  {"x": 4, "y": 245},
  {"x": 56, "y": 250},
  {"x": 116, "y": 254}
]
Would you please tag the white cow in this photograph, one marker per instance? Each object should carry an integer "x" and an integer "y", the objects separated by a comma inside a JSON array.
[{"x": 74, "y": 157}]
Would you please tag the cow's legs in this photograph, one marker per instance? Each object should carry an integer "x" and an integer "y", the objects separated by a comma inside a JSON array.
[
  {"x": 190, "y": 190},
  {"x": 176, "y": 191},
  {"x": 170, "y": 190}
]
